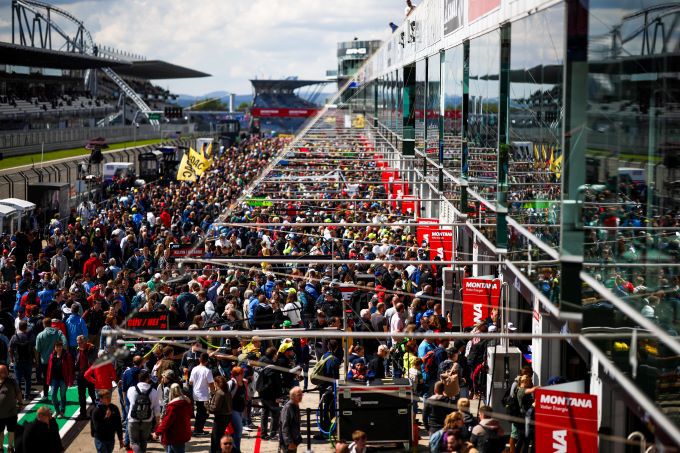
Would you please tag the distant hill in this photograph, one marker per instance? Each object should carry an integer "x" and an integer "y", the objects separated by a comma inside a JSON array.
[{"x": 185, "y": 100}]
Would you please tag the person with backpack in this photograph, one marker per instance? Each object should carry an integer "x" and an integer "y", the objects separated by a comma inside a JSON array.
[
  {"x": 326, "y": 369},
  {"x": 202, "y": 383},
  {"x": 44, "y": 345},
  {"x": 59, "y": 376},
  {"x": 105, "y": 424},
  {"x": 263, "y": 315},
  {"x": 469, "y": 420},
  {"x": 487, "y": 436},
  {"x": 144, "y": 408},
  {"x": 268, "y": 386},
  {"x": 174, "y": 430},
  {"x": 525, "y": 399},
  {"x": 22, "y": 354},
  {"x": 220, "y": 406}
]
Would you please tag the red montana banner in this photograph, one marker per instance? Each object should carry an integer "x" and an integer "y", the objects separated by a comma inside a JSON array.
[
  {"x": 347, "y": 292},
  {"x": 387, "y": 176},
  {"x": 441, "y": 244},
  {"x": 425, "y": 225},
  {"x": 480, "y": 295},
  {"x": 282, "y": 113},
  {"x": 565, "y": 421}
]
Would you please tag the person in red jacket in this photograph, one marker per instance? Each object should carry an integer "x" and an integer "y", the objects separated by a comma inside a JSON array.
[
  {"x": 174, "y": 430},
  {"x": 91, "y": 265},
  {"x": 102, "y": 374},
  {"x": 59, "y": 376}
]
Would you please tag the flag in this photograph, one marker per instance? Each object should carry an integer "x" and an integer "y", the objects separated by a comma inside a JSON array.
[
  {"x": 558, "y": 166},
  {"x": 198, "y": 162},
  {"x": 544, "y": 153},
  {"x": 551, "y": 161},
  {"x": 185, "y": 172}
]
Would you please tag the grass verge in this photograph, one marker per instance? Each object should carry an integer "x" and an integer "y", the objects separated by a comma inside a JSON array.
[{"x": 28, "y": 159}]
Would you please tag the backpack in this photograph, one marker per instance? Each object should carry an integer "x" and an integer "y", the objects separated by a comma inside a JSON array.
[
  {"x": 319, "y": 370},
  {"x": 264, "y": 316},
  {"x": 490, "y": 441},
  {"x": 429, "y": 365},
  {"x": 141, "y": 410},
  {"x": 260, "y": 378},
  {"x": 23, "y": 351},
  {"x": 511, "y": 403}
]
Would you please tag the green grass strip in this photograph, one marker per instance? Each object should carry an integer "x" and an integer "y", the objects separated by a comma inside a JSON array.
[{"x": 28, "y": 159}]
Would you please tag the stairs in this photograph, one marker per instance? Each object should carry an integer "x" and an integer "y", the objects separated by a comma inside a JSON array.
[{"x": 129, "y": 92}]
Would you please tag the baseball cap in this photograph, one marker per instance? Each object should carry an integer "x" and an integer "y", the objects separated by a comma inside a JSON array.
[
  {"x": 285, "y": 346},
  {"x": 157, "y": 275},
  {"x": 364, "y": 312}
]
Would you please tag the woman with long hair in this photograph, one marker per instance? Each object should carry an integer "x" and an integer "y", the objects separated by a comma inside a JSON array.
[
  {"x": 174, "y": 430},
  {"x": 59, "y": 376},
  {"x": 221, "y": 407},
  {"x": 238, "y": 388}
]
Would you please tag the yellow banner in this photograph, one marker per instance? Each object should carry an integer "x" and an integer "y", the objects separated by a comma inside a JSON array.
[
  {"x": 185, "y": 171},
  {"x": 198, "y": 162}
]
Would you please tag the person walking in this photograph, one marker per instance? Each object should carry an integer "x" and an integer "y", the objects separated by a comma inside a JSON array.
[
  {"x": 22, "y": 354},
  {"x": 75, "y": 326},
  {"x": 42, "y": 434},
  {"x": 106, "y": 424},
  {"x": 269, "y": 393},
  {"x": 174, "y": 430},
  {"x": 144, "y": 408},
  {"x": 102, "y": 375},
  {"x": 289, "y": 430},
  {"x": 86, "y": 356},
  {"x": 239, "y": 394},
  {"x": 10, "y": 400},
  {"x": 220, "y": 407},
  {"x": 59, "y": 376},
  {"x": 44, "y": 345},
  {"x": 202, "y": 383}
]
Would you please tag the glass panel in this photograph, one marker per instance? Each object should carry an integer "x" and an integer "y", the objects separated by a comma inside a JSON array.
[
  {"x": 484, "y": 89},
  {"x": 433, "y": 106},
  {"x": 535, "y": 124},
  {"x": 421, "y": 76},
  {"x": 453, "y": 108},
  {"x": 631, "y": 198}
]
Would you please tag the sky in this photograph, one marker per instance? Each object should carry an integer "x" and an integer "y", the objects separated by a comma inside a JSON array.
[{"x": 234, "y": 40}]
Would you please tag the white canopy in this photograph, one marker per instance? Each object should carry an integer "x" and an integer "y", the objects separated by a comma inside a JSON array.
[{"x": 19, "y": 204}]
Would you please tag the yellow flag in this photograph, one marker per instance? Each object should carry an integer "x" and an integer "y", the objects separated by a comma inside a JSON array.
[
  {"x": 209, "y": 156},
  {"x": 185, "y": 172},
  {"x": 544, "y": 154},
  {"x": 198, "y": 162},
  {"x": 551, "y": 162},
  {"x": 558, "y": 166}
]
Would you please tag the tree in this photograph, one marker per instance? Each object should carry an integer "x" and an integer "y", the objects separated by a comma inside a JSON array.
[{"x": 242, "y": 107}]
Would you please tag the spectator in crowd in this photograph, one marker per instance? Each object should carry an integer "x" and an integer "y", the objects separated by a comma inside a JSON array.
[
  {"x": 202, "y": 382},
  {"x": 10, "y": 400},
  {"x": 144, "y": 409},
  {"x": 42, "y": 434},
  {"x": 220, "y": 407},
  {"x": 60, "y": 377},
  {"x": 106, "y": 424},
  {"x": 238, "y": 389},
  {"x": 44, "y": 345},
  {"x": 102, "y": 375},
  {"x": 358, "y": 444},
  {"x": 469, "y": 420},
  {"x": 269, "y": 394},
  {"x": 174, "y": 430},
  {"x": 85, "y": 358},
  {"x": 289, "y": 432},
  {"x": 226, "y": 444},
  {"x": 436, "y": 408},
  {"x": 487, "y": 436},
  {"x": 22, "y": 354}
]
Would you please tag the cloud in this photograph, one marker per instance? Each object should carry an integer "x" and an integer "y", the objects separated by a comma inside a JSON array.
[{"x": 234, "y": 40}]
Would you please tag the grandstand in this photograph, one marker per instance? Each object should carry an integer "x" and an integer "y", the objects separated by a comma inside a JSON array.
[
  {"x": 79, "y": 84},
  {"x": 277, "y": 108}
]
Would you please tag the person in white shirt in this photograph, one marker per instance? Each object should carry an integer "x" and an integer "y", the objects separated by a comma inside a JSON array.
[
  {"x": 292, "y": 309},
  {"x": 398, "y": 321},
  {"x": 202, "y": 381},
  {"x": 141, "y": 429}
]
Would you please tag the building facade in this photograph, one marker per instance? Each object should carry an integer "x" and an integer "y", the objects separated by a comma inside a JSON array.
[{"x": 551, "y": 129}]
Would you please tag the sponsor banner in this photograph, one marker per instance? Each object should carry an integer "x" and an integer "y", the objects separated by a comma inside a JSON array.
[
  {"x": 425, "y": 225},
  {"x": 478, "y": 8},
  {"x": 387, "y": 176},
  {"x": 347, "y": 292},
  {"x": 480, "y": 295},
  {"x": 565, "y": 421},
  {"x": 185, "y": 251},
  {"x": 399, "y": 189},
  {"x": 282, "y": 112},
  {"x": 441, "y": 244},
  {"x": 408, "y": 204},
  {"x": 453, "y": 15},
  {"x": 148, "y": 321}
]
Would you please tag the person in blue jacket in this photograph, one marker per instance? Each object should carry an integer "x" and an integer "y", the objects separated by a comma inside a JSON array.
[{"x": 75, "y": 326}]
